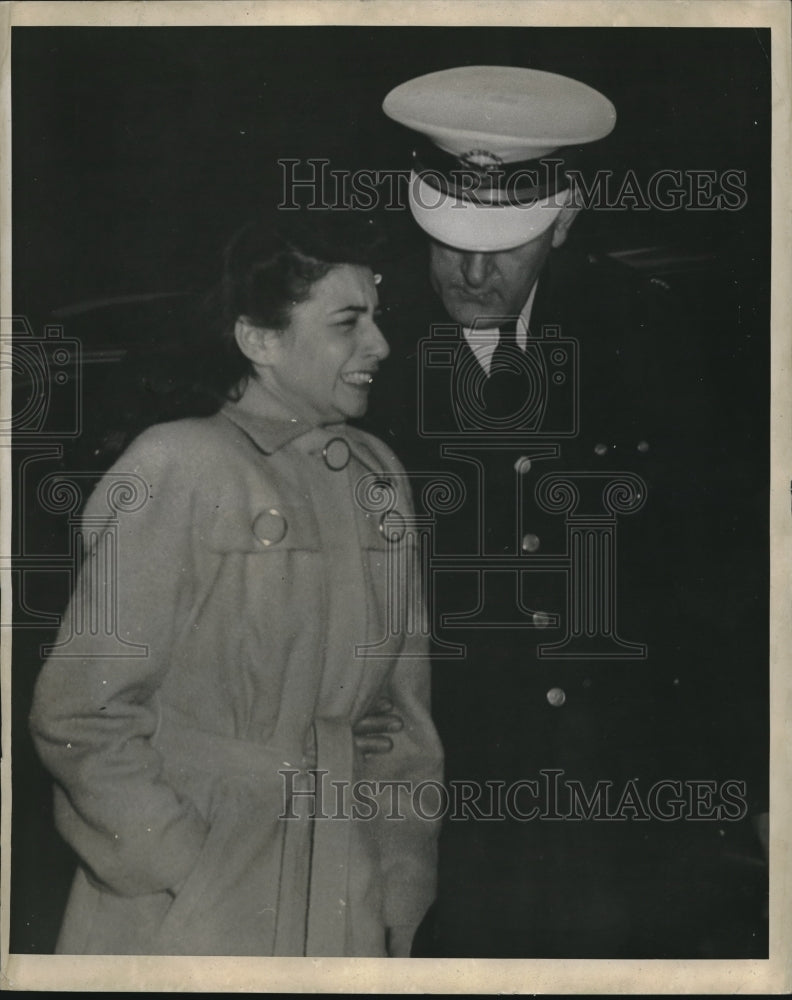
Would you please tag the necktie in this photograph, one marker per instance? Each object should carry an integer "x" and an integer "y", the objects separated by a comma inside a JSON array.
[
  {"x": 505, "y": 390},
  {"x": 506, "y": 355}
]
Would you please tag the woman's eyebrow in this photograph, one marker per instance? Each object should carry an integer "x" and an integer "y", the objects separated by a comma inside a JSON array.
[{"x": 350, "y": 308}]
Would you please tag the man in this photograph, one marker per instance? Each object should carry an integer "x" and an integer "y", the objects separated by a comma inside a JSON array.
[{"x": 594, "y": 612}]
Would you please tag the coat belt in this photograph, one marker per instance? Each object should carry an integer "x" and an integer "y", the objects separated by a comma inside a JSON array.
[{"x": 314, "y": 878}]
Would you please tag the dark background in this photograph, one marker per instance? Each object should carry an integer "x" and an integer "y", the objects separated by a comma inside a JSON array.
[{"x": 136, "y": 152}]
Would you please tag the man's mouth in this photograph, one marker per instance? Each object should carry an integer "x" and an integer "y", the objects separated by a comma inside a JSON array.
[
  {"x": 472, "y": 296},
  {"x": 358, "y": 378}
]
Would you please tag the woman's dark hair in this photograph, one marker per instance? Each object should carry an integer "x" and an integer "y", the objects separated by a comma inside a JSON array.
[
  {"x": 189, "y": 363},
  {"x": 268, "y": 268}
]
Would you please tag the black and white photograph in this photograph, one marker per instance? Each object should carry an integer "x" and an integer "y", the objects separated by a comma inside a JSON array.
[{"x": 392, "y": 558}]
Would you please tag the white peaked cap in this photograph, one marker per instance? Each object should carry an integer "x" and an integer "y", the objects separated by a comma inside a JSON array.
[{"x": 505, "y": 129}]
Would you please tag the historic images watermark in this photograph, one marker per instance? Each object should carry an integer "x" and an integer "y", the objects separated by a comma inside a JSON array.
[
  {"x": 46, "y": 369},
  {"x": 314, "y": 184},
  {"x": 549, "y": 795}
]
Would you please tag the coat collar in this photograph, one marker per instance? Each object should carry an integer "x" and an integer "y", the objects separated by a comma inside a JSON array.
[{"x": 271, "y": 426}]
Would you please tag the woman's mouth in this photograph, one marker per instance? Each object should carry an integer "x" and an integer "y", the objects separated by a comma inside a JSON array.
[{"x": 359, "y": 378}]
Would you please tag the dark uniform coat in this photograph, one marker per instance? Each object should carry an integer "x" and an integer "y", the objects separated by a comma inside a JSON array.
[{"x": 601, "y": 560}]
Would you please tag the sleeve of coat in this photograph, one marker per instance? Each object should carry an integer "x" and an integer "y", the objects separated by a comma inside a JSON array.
[
  {"x": 408, "y": 835},
  {"x": 93, "y": 713},
  {"x": 409, "y": 817}
]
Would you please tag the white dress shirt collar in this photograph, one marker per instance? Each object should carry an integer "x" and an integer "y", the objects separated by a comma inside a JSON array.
[{"x": 483, "y": 342}]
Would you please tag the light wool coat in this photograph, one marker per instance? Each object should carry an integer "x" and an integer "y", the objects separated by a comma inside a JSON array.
[{"x": 242, "y": 604}]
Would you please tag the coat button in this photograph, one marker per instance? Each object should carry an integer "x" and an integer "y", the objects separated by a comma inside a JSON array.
[
  {"x": 530, "y": 543},
  {"x": 601, "y": 449},
  {"x": 522, "y": 465},
  {"x": 270, "y": 526},
  {"x": 556, "y": 697},
  {"x": 541, "y": 619},
  {"x": 393, "y": 526},
  {"x": 336, "y": 454}
]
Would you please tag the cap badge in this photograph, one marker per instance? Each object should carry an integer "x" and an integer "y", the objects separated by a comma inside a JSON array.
[{"x": 481, "y": 160}]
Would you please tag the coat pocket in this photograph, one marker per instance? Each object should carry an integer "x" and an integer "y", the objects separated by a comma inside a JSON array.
[
  {"x": 227, "y": 904},
  {"x": 263, "y": 528}
]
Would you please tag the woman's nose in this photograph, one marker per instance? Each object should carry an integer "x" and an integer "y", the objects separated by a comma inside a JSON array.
[
  {"x": 474, "y": 268},
  {"x": 376, "y": 343}
]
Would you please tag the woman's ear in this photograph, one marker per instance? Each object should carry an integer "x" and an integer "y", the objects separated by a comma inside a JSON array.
[{"x": 255, "y": 342}]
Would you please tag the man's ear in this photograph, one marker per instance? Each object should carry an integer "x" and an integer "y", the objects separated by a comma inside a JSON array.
[
  {"x": 255, "y": 342},
  {"x": 563, "y": 223}
]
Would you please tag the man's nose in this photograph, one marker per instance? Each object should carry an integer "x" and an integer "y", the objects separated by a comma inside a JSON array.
[{"x": 474, "y": 268}]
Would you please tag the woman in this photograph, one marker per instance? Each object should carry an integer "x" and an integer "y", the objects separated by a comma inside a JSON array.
[{"x": 192, "y": 737}]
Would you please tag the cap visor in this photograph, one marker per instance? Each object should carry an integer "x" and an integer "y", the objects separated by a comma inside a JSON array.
[{"x": 480, "y": 228}]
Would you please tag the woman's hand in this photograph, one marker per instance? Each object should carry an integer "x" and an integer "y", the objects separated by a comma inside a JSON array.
[{"x": 371, "y": 731}]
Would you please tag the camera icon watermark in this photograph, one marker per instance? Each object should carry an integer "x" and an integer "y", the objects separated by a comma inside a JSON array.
[
  {"x": 46, "y": 382},
  {"x": 452, "y": 383}
]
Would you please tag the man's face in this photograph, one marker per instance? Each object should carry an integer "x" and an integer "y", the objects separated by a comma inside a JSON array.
[{"x": 479, "y": 285}]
